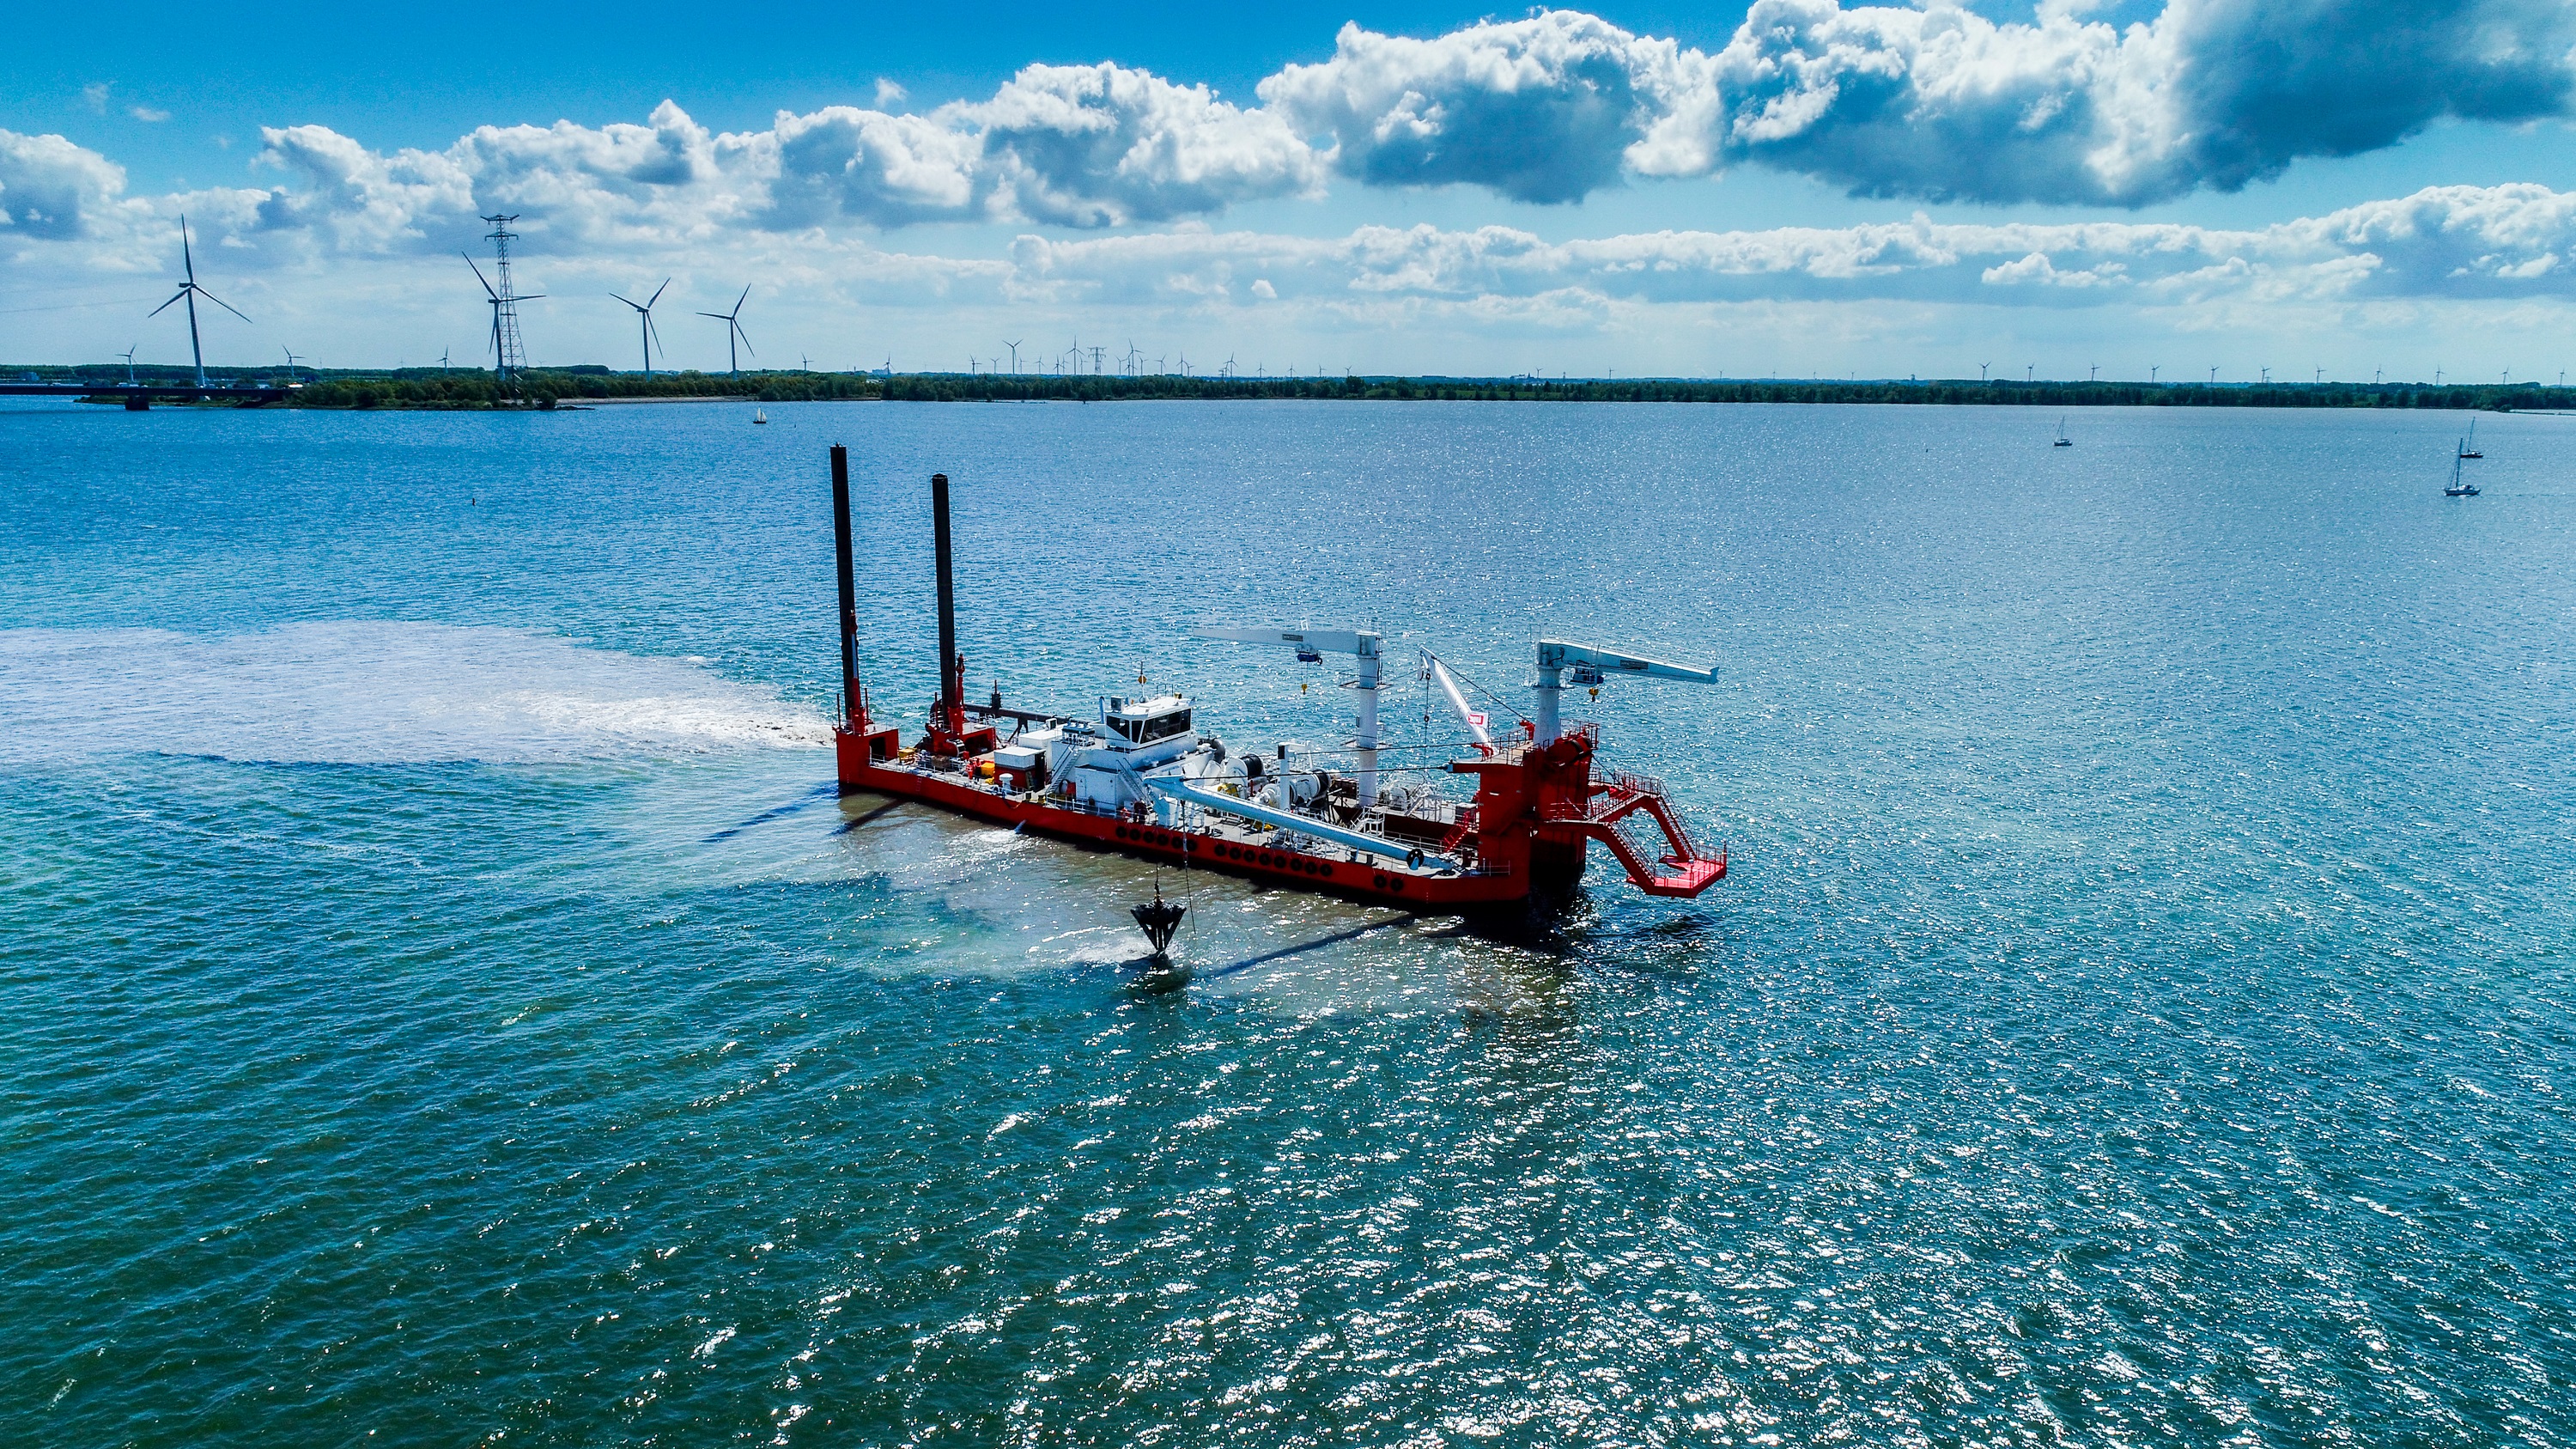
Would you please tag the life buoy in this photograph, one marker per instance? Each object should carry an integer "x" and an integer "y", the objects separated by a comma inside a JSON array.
[{"x": 1413, "y": 860}]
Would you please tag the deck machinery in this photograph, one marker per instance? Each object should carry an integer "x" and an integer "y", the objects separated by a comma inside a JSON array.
[{"x": 1137, "y": 776}]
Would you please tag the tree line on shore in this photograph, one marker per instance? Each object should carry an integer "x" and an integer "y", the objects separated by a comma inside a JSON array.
[{"x": 457, "y": 389}]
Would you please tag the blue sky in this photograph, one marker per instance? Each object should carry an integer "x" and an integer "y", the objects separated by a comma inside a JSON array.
[{"x": 1803, "y": 188}]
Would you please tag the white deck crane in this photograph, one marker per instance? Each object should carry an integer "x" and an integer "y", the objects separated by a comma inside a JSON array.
[
  {"x": 1473, "y": 719},
  {"x": 1360, "y": 643},
  {"x": 1590, "y": 666}
]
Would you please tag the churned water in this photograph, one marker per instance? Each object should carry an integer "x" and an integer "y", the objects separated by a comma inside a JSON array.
[{"x": 443, "y": 1002}]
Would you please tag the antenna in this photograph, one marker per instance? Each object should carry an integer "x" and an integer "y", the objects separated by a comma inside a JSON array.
[
  {"x": 191, "y": 291},
  {"x": 733, "y": 329},
  {"x": 644, "y": 315},
  {"x": 509, "y": 355}
]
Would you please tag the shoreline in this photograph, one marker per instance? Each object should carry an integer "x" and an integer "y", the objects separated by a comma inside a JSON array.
[{"x": 414, "y": 390}]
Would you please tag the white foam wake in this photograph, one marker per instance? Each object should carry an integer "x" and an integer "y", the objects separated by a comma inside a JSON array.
[{"x": 369, "y": 693}]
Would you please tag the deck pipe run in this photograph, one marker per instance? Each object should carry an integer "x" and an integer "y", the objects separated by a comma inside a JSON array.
[{"x": 1196, "y": 794}]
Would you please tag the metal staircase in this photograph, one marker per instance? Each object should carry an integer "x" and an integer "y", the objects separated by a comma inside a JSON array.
[{"x": 1609, "y": 816}]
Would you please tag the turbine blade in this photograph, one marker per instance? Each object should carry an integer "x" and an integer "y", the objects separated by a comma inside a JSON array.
[
  {"x": 658, "y": 291},
  {"x": 185, "y": 254},
  {"x": 745, "y": 297},
  {"x": 622, "y": 299},
  {"x": 719, "y": 316},
  {"x": 164, "y": 307},
  {"x": 220, "y": 302},
  {"x": 478, "y": 276},
  {"x": 746, "y": 339}
]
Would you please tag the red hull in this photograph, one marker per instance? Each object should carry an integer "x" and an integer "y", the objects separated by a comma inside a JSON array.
[{"x": 1538, "y": 808}]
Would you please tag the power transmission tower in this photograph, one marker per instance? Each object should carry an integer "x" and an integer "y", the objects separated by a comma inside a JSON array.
[{"x": 509, "y": 354}]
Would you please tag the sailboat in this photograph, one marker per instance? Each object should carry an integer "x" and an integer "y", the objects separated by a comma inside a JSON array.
[
  {"x": 2063, "y": 441},
  {"x": 2469, "y": 444},
  {"x": 759, "y": 415},
  {"x": 2458, "y": 488}
]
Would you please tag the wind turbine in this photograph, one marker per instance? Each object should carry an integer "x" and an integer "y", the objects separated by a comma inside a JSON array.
[
  {"x": 733, "y": 329},
  {"x": 291, "y": 360},
  {"x": 1015, "y": 356},
  {"x": 500, "y": 361},
  {"x": 191, "y": 291},
  {"x": 644, "y": 315},
  {"x": 129, "y": 366}
]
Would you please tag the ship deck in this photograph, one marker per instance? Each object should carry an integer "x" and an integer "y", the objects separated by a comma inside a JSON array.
[{"x": 1230, "y": 845}]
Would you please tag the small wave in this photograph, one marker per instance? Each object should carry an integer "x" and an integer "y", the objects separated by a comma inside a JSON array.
[{"x": 370, "y": 693}]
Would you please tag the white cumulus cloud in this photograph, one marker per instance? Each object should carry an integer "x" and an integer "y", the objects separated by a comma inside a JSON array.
[
  {"x": 2442, "y": 242},
  {"x": 1936, "y": 102},
  {"x": 53, "y": 190}
]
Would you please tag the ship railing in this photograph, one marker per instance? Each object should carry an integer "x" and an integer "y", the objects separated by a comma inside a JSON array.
[{"x": 1637, "y": 784}]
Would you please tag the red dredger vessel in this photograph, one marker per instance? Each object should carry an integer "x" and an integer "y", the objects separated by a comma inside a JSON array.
[{"x": 1137, "y": 776}]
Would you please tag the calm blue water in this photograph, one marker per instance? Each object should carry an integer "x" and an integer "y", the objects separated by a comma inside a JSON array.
[{"x": 438, "y": 1007}]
